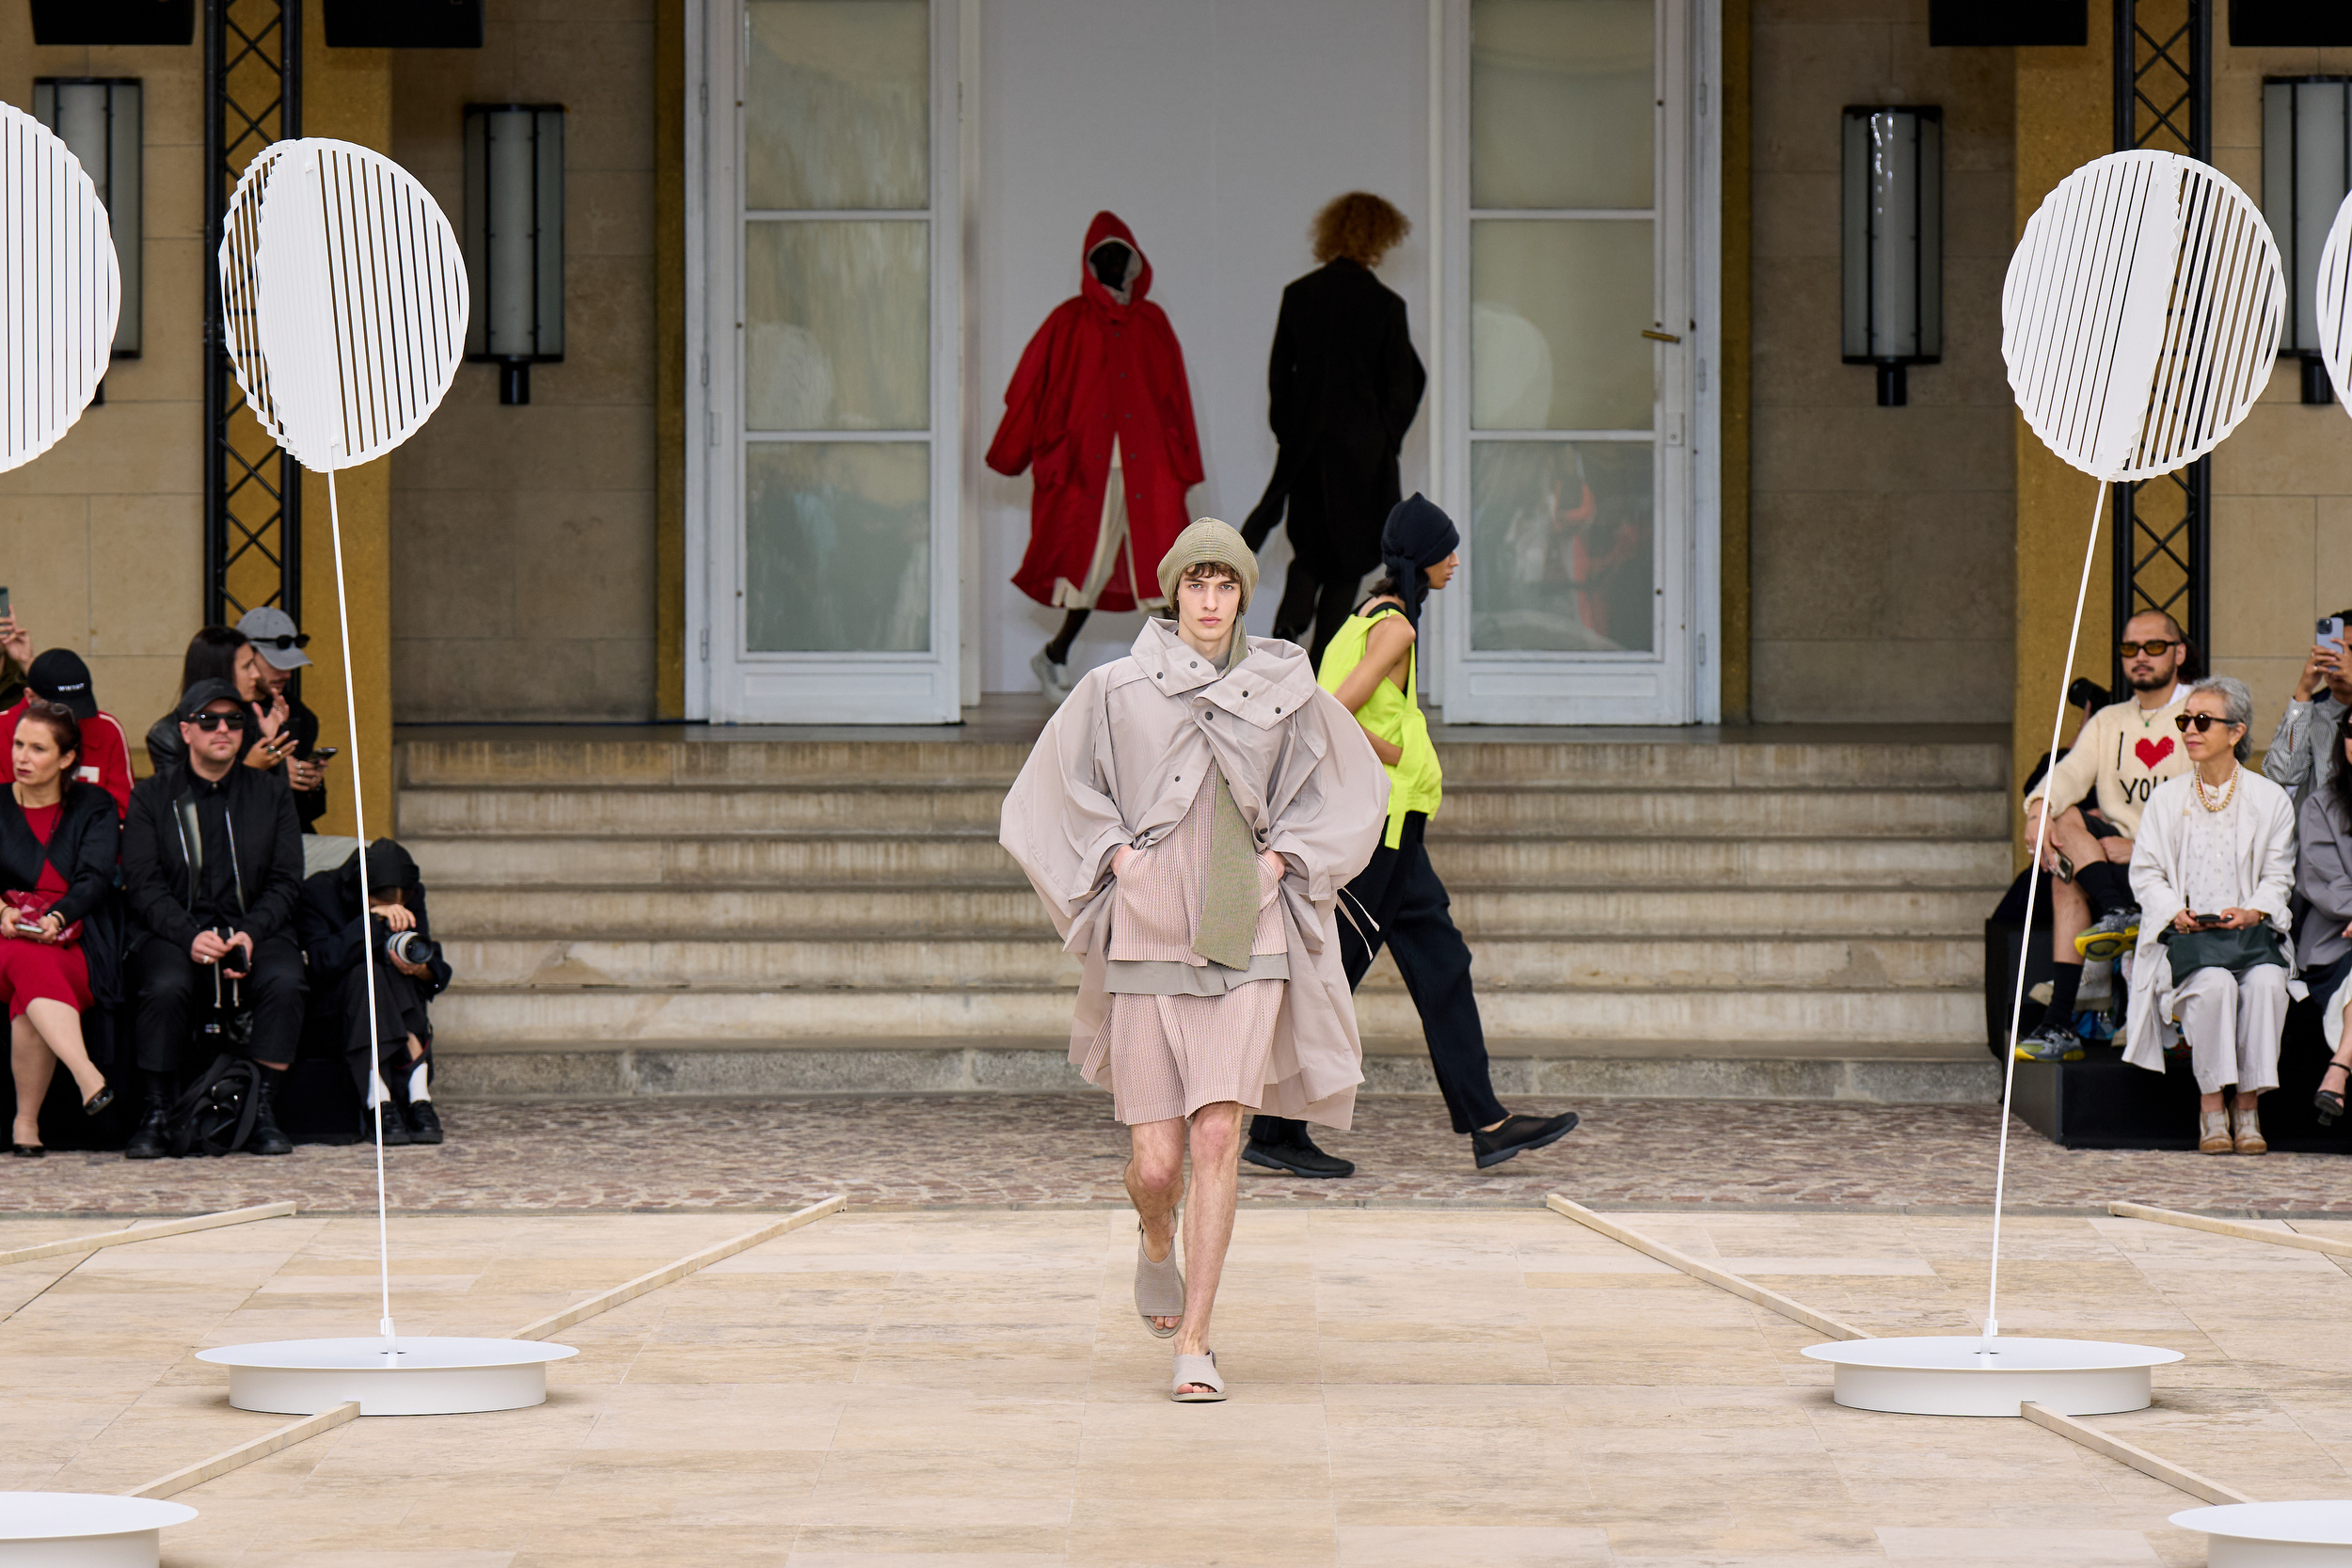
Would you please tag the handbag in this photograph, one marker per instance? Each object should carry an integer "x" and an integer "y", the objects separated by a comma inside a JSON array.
[
  {"x": 2236, "y": 951},
  {"x": 30, "y": 906}
]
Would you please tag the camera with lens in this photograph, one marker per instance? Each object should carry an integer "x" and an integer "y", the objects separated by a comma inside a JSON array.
[{"x": 410, "y": 947}]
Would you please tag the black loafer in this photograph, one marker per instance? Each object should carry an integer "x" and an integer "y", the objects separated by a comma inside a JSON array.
[
  {"x": 1298, "y": 1159},
  {"x": 424, "y": 1122},
  {"x": 395, "y": 1125},
  {"x": 1519, "y": 1134},
  {"x": 27, "y": 1151}
]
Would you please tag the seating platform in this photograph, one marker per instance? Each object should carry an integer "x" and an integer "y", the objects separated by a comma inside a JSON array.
[{"x": 2103, "y": 1102}]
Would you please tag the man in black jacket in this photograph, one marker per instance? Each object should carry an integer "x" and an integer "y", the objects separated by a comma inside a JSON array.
[
  {"x": 238, "y": 826},
  {"x": 391, "y": 1054}
]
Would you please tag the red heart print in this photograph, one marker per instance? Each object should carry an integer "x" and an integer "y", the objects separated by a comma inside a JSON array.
[{"x": 2152, "y": 751}]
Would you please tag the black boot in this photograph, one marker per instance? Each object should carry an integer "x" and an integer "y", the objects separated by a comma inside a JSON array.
[
  {"x": 1277, "y": 1143},
  {"x": 268, "y": 1138},
  {"x": 395, "y": 1124},
  {"x": 147, "y": 1143},
  {"x": 424, "y": 1122}
]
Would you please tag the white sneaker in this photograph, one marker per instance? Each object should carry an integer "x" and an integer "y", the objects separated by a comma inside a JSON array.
[{"x": 1052, "y": 678}]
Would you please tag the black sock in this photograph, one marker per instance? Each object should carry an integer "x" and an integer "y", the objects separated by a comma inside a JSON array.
[
  {"x": 1057, "y": 651},
  {"x": 2107, "y": 885},
  {"x": 2065, "y": 979}
]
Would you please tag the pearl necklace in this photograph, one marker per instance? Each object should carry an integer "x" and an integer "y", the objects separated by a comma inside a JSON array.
[{"x": 2197, "y": 782}]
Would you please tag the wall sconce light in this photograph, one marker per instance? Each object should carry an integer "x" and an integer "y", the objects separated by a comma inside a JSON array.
[
  {"x": 514, "y": 238},
  {"x": 2307, "y": 167},
  {"x": 98, "y": 120},
  {"x": 1894, "y": 241}
]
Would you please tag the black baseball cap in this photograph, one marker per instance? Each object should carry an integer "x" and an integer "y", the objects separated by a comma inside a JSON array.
[
  {"x": 204, "y": 694},
  {"x": 60, "y": 677}
]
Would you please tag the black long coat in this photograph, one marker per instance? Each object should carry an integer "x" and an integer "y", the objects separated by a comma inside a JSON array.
[
  {"x": 84, "y": 849},
  {"x": 1342, "y": 386}
]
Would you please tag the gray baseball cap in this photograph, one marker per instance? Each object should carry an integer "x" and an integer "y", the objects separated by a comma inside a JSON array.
[{"x": 273, "y": 632}]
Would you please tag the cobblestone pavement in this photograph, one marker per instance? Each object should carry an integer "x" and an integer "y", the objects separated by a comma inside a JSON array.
[{"x": 918, "y": 1152}]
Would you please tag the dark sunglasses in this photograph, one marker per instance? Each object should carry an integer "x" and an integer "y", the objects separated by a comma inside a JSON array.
[
  {"x": 208, "y": 723},
  {"x": 2203, "y": 721},
  {"x": 297, "y": 639},
  {"x": 2155, "y": 649}
]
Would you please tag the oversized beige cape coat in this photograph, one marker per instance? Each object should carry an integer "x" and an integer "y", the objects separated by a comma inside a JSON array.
[{"x": 1120, "y": 763}]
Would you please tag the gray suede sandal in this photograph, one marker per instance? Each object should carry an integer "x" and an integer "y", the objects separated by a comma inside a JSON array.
[
  {"x": 1199, "y": 1370},
  {"x": 1159, "y": 1288}
]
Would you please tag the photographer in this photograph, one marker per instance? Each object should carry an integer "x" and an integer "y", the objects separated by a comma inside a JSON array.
[
  {"x": 395, "y": 938},
  {"x": 212, "y": 863}
]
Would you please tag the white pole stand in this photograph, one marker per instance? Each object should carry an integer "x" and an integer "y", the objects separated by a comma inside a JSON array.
[
  {"x": 1965, "y": 1374},
  {"x": 418, "y": 1376},
  {"x": 84, "y": 1529},
  {"x": 2274, "y": 1535}
]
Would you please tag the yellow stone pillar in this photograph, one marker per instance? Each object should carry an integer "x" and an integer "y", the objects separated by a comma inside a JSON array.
[
  {"x": 347, "y": 94},
  {"x": 2065, "y": 118}
]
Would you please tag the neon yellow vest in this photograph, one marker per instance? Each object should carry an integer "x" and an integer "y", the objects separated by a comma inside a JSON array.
[{"x": 1415, "y": 780}]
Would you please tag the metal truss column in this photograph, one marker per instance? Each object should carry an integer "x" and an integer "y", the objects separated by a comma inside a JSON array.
[
  {"x": 252, "y": 491},
  {"x": 2163, "y": 527}
]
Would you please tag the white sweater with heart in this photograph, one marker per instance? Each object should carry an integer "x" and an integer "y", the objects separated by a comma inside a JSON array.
[{"x": 2120, "y": 754}]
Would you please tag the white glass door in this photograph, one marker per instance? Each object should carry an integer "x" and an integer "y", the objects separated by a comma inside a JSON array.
[
  {"x": 1571, "y": 336},
  {"x": 831, "y": 469}
]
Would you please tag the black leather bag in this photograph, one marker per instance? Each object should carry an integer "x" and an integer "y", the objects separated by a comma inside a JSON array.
[
  {"x": 2236, "y": 951},
  {"x": 215, "y": 1115}
]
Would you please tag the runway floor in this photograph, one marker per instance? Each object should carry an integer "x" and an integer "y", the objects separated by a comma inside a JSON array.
[
  {"x": 1009, "y": 1150},
  {"x": 958, "y": 1388}
]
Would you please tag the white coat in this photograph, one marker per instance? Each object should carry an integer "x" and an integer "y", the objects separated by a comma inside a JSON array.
[{"x": 2265, "y": 878}]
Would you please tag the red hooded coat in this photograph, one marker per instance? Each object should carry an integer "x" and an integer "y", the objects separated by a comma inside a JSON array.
[{"x": 1099, "y": 368}]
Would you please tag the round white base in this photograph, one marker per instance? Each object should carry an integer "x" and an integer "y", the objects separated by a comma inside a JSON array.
[
  {"x": 1968, "y": 1375},
  {"x": 420, "y": 1377},
  {"x": 83, "y": 1529},
  {"x": 2274, "y": 1535}
]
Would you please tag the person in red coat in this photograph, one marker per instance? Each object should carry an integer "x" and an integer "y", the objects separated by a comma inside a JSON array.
[
  {"x": 60, "y": 677},
  {"x": 1100, "y": 405}
]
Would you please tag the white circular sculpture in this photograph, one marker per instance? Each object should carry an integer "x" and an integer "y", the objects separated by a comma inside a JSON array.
[
  {"x": 416, "y": 1377},
  {"x": 2141, "y": 315},
  {"x": 60, "y": 289},
  {"x": 1969, "y": 1376},
  {"x": 84, "y": 1529},
  {"x": 2334, "y": 287},
  {"x": 2274, "y": 1535},
  {"x": 344, "y": 288}
]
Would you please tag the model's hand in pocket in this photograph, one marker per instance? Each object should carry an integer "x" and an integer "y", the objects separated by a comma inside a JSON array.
[
  {"x": 1124, "y": 857},
  {"x": 1275, "y": 863}
]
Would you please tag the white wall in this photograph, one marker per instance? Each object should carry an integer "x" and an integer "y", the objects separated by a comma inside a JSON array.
[{"x": 1216, "y": 128}]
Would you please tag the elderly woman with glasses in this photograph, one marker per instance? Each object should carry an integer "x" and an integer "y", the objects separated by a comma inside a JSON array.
[{"x": 2213, "y": 869}]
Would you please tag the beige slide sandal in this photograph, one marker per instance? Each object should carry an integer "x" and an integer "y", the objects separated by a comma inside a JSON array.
[
  {"x": 1159, "y": 1288},
  {"x": 1201, "y": 1369}
]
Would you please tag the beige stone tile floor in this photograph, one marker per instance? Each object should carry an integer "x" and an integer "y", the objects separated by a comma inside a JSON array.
[{"x": 969, "y": 1387}]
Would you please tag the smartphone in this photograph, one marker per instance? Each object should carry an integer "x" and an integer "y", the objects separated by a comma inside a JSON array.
[
  {"x": 2209, "y": 919},
  {"x": 2331, "y": 630},
  {"x": 5, "y": 612},
  {"x": 322, "y": 754}
]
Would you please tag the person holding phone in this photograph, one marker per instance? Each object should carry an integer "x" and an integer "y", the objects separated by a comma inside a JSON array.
[
  {"x": 2302, "y": 751},
  {"x": 2214, "y": 868},
  {"x": 278, "y": 645},
  {"x": 16, "y": 651}
]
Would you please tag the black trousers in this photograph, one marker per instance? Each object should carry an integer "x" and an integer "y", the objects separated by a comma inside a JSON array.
[
  {"x": 1316, "y": 598},
  {"x": 1409, "y": 904},
  {"x": 399, "y": 1013},
  {"x": 174, "y": 990}
]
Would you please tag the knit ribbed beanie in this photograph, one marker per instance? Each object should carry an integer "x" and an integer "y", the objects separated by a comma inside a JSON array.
[{"x": 1209, "y": 540}]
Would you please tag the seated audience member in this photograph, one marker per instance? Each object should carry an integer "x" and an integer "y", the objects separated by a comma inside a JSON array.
[
  {"x": 225, "y": 653},
  {"x": 229, "y": 913},
  {"x": 2302, "y": 753},
  {"x": 2213, "y": 871},
  {"x": 60, "y": 677},
  {"x": 278, "y": 645},
  {"x": 16, "y": 658},
  {"x": 57, "y": 841},
  {"x": 397, "y": 1063},
  {"x": 2121, "y": 754},
  {"x": 2323, "y": 877}
]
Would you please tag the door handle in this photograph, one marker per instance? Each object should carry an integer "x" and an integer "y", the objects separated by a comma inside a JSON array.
[{"x": 1654, "y": 334}]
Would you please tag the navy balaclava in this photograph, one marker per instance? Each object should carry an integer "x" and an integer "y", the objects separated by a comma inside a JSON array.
[{"x": 1416, "y": 537}]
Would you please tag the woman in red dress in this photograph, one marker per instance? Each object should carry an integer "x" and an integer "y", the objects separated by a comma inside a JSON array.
[{"x": 58, "y": 845}]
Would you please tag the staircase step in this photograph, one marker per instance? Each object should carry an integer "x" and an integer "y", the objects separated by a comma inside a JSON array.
[
  {"x": 1568, "y": 1072},
  {"x": 487, "y": 1016},
  {"x": 908, "y": 859},
  {"x": 1020, "y": 959},
  {"x": 1483, "y": 912},
  {"x": 920, "y": 808}
]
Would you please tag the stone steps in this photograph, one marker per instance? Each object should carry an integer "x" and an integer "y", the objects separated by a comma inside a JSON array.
[{"x": 684, "y": 915}]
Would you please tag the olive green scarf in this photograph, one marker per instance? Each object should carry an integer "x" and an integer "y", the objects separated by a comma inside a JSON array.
[{"x": 1229, "y": 890}]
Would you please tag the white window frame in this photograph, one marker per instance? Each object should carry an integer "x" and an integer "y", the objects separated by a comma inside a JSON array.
[
  {"x": 725, "y": 682},
  {"x": 1679, "y": 681}
]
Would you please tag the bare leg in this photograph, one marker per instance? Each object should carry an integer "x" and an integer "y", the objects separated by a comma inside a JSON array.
[
  {"x": 61, "y": 1027},
  {"x": 33, "y": 1065},
  {"x": 1155, "y": 1184},
  {"x": 2341, "y": 1061},
  {"x": 2070, "y": 917},
  {"x": 1209, "y": 1217}
]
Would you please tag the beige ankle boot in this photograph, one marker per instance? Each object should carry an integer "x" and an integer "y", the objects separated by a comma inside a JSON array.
[
  {"x": 2213, "y": 1133},
  {"x": 2245, "y": 1122}
]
